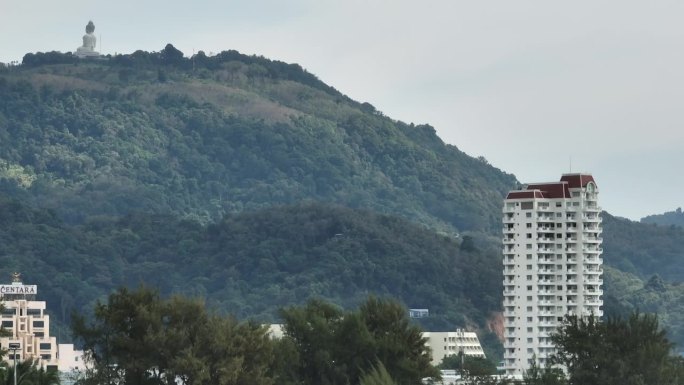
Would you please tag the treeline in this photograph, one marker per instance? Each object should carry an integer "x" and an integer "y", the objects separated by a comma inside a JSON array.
[
  {"x": 670, "y": 218},
  {"x": 170, "y": 56},
  {"x": 136, "y": 337}
]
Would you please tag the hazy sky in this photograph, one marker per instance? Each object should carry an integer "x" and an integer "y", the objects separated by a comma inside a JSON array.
[{"x": 529, "y": 85}]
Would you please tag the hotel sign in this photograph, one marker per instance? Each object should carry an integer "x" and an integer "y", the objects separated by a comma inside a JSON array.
[{"x": 18, "y": 289}]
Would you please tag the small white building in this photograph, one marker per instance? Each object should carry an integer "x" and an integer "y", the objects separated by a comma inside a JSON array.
[
  {"x": 29, "y": 325},
  {"x": 444, "y": 344}
]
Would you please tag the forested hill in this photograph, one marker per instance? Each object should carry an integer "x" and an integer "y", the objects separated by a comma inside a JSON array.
[
  {"x": 252, "y": 264},
  {"x": 203, "y": 137},
  {"x": 669, "y": 218}
]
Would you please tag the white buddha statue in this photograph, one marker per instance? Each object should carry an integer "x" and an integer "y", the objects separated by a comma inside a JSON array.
[{"x": 89, "y": 41}]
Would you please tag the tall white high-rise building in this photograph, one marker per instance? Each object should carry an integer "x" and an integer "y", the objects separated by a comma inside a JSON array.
[{"x": 552, "y": 264}]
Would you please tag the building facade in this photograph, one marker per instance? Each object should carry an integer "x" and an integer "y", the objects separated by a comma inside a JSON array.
[
  {"x": 28, "y": 324},
  {"x": 552, "y": 264},
  {"x": 445, "y": 344}
]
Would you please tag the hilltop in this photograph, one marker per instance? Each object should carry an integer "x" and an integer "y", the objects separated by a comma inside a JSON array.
[{"x": 200, "y": 138}]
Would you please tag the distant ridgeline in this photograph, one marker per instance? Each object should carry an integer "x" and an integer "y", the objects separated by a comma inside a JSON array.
[
  {"x": 170, "y": 56},
  {"x": 669, "y": 218}
]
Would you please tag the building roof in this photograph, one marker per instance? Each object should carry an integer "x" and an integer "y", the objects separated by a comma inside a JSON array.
[
  {"x": 577, "y": 180},
  {"x": 552, "y": 190}
]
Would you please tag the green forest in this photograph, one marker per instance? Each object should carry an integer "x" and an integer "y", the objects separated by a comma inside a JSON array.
[{"x": 251, "y": 183}]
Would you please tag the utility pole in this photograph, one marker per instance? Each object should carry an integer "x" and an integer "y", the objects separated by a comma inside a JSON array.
[{"x": 14, "y": 347}]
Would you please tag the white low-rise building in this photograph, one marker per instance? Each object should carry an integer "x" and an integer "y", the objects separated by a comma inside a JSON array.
[
  {"x": 445, "y": 344},
  {"x": 28, "y": 324}
]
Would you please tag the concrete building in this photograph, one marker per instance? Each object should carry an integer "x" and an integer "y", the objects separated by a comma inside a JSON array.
[
  {"x": 552, "y": 264},
  {"x": 29, "y": 325},
  {"x": 444, "y": 344}
]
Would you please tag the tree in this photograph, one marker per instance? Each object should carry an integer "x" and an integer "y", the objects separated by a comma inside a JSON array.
[
  {"x": 475, "y": 366},
  {"x": 630, "y": 351},
  {"x": 138, "y": 338},
  {"x": 338, "y": 347}
]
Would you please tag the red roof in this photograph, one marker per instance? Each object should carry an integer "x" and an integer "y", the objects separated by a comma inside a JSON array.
[
  {"x": 553, "y": 189},
  {"x": 577, "y": 180}
]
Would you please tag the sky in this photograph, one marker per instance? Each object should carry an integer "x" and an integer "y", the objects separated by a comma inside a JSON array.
[{"x": 539, "y": 88}]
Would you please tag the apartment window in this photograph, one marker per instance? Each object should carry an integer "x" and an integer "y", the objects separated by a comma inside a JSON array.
[
  {"x": 529, "y": 277},
  {"x": 529, "y": 288},
  {"x": 528, "y": 246},
  {"x": 529, "y": 225},
  {"x": 529, "y": 236},
  {"x": 529, "y": 330},
  {"x": 46, "y": 357},
  {"x": 38, "y": 324},
  {"x": 529, "y": 298},
  {"x": 529, "y": 256},
  {"x": 32, "y": 311},
  {"x": 45, "y": 346},
  {"x": 39, "y": 334},
  {"x": 529, "y": 319},
  {"x": 528, "y": 215},
  {"x": 9, "y": 311},
  {"x": 7, "y": 324},
  {"x": 559, "y": 235},
  {"x": 558, "y": 204},
  {"x": 529, "y": 267}
]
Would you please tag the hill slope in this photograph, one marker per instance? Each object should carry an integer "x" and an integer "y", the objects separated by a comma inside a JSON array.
[
  {"x": 669, "y": 218},
  {"x": 253, "y": 263},
  {"x": 144, "y": 132}
]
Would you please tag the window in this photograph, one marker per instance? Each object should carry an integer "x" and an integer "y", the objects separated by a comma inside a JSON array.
[
  {"x": 529, "y": 236},
  {"x": 529, "y": 277},
  {"x": 529, "y": 225},
  {"x": 45, "y": 346},
  {"x": 529, "y": 298},
  {"x": 528, "y": 246},
  {"x": 9, "y": 311},
  {"x": 39, "y": 334},
  {"x": 45, "y": 356},
  {"x": 33, "y": 312},
  {"x": 529, "y": 267},
  {"x": 38, "y": 324},
  {"x": 529, "y": 288},
  {"x": 529, "y": 256},
  {"x": 528, "y": 215},
  {"x": 7, "y": 324}
]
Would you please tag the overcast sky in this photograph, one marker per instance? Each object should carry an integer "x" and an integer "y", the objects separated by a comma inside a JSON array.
[{"x": 533, "y": 86}]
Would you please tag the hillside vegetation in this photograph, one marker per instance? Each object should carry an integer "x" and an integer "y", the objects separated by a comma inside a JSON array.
[
  {"x": 147, "y": 132},
  {"x": 252, "y": 264},
  {"x": 670, "y": 218}
]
